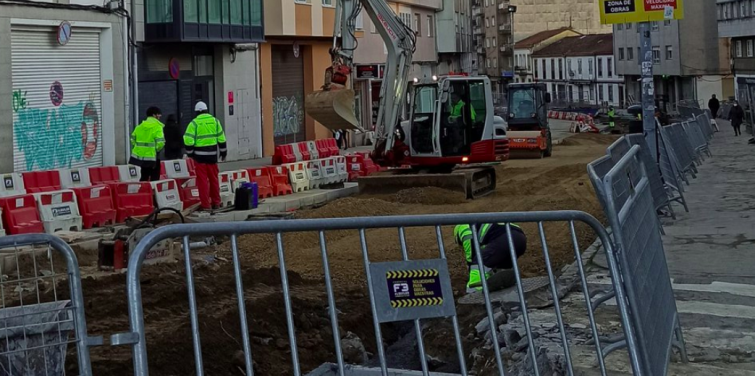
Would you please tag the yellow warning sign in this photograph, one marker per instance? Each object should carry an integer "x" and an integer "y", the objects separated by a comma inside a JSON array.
[
  {"x": 416, "y": 302},
  {"x": 626, "y": 11}
]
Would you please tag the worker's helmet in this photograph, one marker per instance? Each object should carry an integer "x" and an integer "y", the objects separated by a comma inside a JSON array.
[{"x": 200, "y": 106}]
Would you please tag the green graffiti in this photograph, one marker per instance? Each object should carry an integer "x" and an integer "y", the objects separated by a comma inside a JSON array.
[
  {"x": 19, "y": 100},
  {"x": 51, "y": 138}
]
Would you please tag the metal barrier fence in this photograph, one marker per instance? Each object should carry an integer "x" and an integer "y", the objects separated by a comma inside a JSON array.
[
  {"x": 642, "y": 264},
  {"x": 385, "y": 303},
  {"x": 663, "y": 185},
  {"x": 682, "y": 165},
  {"x": 42, "y": 308}
]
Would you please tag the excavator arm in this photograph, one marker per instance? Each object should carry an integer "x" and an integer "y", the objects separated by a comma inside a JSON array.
[{"x": 333, "y": 106}]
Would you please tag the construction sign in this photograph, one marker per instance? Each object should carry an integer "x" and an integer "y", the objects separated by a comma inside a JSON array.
[{"x": 626, "y": 11}]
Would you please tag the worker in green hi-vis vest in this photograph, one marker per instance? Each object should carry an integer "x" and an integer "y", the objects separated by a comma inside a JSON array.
[
  {"x": 611, "y": 117},
  {"x": 494, "y": 247}
]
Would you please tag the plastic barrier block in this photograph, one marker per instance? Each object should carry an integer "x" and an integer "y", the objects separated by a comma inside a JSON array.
[
  {"x": 129, "y": 173},
  {"x": 166, "y": 194},
  {"x": 239, "y": 177},
  {"x": 315, "y": 175},
  {"x": 132, "y": 200},
  {"x": 332, "y": 146},
  {"x": 328, "y": 170},
  {"x": 96, "y": 206},
  {"x": 59, "y": 211},
  {"x": 74, "y": 178},
  {"x": 41, "y": 181},
  {"x": 20, "y": 215},
  {"x": 104, "y": 175},
  {"x": 284, "y": 154},
  {"x": 342, "y": 173},
  {"x": 280, "y": 181},
  {"x": 176, "y": 169},
  {"x": 298, "y": 175},
  {"x": 355, "y": 166},
  {"x": 188, "y": 191},
  {"x": 303, "y": 150},
  {"x": 264, "y": 180},
  {"x": 322, "y": 148},
  {"x": 369, "y": 166},
  {"x": 13, "y": 185},
  {"x": 313, "y": 152},
  {"x": 226, "y": 190}
]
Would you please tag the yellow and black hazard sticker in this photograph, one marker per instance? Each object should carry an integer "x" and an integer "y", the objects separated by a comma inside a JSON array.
[{"x": 414, "y": 288}]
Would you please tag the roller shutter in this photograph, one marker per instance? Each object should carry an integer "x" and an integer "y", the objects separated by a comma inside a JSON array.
[
  {"x": 57, "y": 99},
  {"x": 288, "y": 95}
]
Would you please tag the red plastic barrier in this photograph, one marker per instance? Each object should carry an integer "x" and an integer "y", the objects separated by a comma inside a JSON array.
[
  {"x": 132, "y": 200},
  {"x": 332, "y": 146},
  {"x": 322, "y": 148},
  {"x": 279, "y": 177},
  {"x": 284, "y": 154},
  {"x": 369, "y": 166},
  {"x": 355, "y": 166},
  {"x": 20, "y": 215},
  {"x": 261, "y": 176},
  {"x": 96, "y": 206},
  {"x": 104, "y": 175},
  {"x": 41, "y": 181},
  {"x": 304, "y": 151},
  {"x": 188, "y": 190}
]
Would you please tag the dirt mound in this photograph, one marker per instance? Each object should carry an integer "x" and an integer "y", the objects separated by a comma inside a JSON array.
[{"x": 429, "y": 196}]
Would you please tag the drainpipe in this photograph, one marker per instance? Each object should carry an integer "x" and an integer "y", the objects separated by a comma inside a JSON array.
[
  {"x": 126, "y": 87},
  {"x": 259, "y": 96},
  {"x": 134, "y": 76}
]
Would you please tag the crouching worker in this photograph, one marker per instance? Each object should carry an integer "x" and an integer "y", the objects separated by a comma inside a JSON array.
[{"x": 494, "y": 247}]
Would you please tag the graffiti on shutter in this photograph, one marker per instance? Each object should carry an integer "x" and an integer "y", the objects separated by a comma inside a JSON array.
[{"x": 288, "y": 95}]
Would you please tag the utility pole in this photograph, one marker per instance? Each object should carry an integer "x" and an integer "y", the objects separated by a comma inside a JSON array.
[{"x": 648, "y": 89}]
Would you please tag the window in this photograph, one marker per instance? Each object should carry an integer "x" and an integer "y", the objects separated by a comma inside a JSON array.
[
  {"x": 190, "y": 11},
  {"x": 492, "y": 21},
  {"x": 579, "y": 66},
  {"x": 743, "y": 8},
  {"x": 639, "y": 55},
  {"x": 600, "y": 67},
  {"x": 359, "y": 22},
  {"x": 630, "y": 54},
  {"x": 417, "y": 26},
  {"x": 654, "y": 25},
  {"x": 609, "y": 63},
  {"x": 159, "y": 11},
  {"x": 430, "y": 26},
  {"x": 495, "y": 41},
  {"x": 406, "y": 18},
  {"x": 726, "y": 11},
  {"x": 600, "y": 93},
  {"x": 669, "y": 52},
  {"x": 544, "y": 71},
  {"x": 327, "y": 3},
  {"x": 487, "y": 42},
  {"x": 656, "y": 55},
  {"x": 589, "y": 66},
  {"x": 752, "y": 7},
  {"x": 487, "y": 63},
  {"x": 667, "y": 23},
  {"x": 571, "y": 71},
  {"x": 621, "y": 54},
  {"x": 610, "y": 94},
  {"x": 739, "y": 48},
  {"x": 629, "y": 26},
  {"x": 749, "y": 48},
  {"x": 495, "y": 63},
  {"x": 620, "y": 27},
  {"x": 487, "y": 22},
  {"x": 537, "y": 71},
  {"x": 553, "y": 69},
  {"x": 560, "y": 69}
]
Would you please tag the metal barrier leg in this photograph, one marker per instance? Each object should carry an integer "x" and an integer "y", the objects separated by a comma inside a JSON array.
[
  {"x": 193, "y": 307},
  {"x": 287, "y": 303},
  {"x": 242, "y": 307},
  {"x": 373, "y": 307},
  {"x": 454, "y": 319},
  {"x": 331, "y": 305},
  {"x": 417, "y": 322}
]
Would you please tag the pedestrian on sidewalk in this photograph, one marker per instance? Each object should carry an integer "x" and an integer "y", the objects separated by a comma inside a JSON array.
[
  {"x": 736, "y": 117},
  {"x": 339, "y": 139},
  {"x": 714, "y": 105},
  {"x": 174, "y": 144},
  {"x": 205, "y": 143},
  {"x": 494, "y": 247},
  {"x": 146, "y": 141},
  {"x": 344, "y": 139}
]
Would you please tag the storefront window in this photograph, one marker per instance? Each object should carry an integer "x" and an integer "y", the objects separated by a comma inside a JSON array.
[{"x": 159, "y": 11}]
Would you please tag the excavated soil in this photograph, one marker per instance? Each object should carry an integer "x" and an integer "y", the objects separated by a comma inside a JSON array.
[{"x": 553, "y": 183}]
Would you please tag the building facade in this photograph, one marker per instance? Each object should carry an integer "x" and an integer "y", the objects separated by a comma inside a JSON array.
[
  {"x": 371, "y": 53},
  {"x": 533, "y": 17},
  {"x": 63, "y": 85},
  {"x": 580, "y": 71},
  {"x": 453, "y": 37},
  {"x": 736, "y": 26},
  {"x": 494, "y": 41},
  {"x": 523, "y": 50},
  {"x": 687, "y": 57}
]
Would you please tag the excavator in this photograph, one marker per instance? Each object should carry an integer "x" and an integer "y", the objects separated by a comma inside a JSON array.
[{"x": 452, "y": 138}]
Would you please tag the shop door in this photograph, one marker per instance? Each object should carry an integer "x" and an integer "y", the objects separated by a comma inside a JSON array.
[
  {"x": 288, "y": 95},
  {"x": 57, "y": 99}
]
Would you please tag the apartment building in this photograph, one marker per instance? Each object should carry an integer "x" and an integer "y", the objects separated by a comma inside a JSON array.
[
  {"x": 688, "y": 61},
  {"x": 62, "y": 64},
  {"x": 453, "y": 37},
  {"x": 523, "y": 50},
  {"x": 533, "y": 17},
  {"x": 371, "y": 53},
  {"x": 736, "y": 23},
  {"x": 494, "y": 42},
  {"x": 580, "y": 71}
]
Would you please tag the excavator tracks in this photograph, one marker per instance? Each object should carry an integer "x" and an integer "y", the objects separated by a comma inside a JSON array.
[{"x": 474, "y": 182}]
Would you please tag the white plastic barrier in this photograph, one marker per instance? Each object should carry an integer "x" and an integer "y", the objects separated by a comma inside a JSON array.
[
  {"x": 58, "y": 211},
  {"x": 129, "y": 173},
  {"x": 342, "y": 172},
  {"x": 13, "y": 185},
  {"x": 238, "y": 177},
  {"x": 315, "y": 175},
  {"x": 177, "y": 169},
  {"x": 298, "y": 175},
  {"x": 313, "y": 152},
  {"x": 167, "y": 195},
  {"x": 226, "y": 189},
  {"x": 328, "y": 171},
  {"x": 74, "y": 178}
]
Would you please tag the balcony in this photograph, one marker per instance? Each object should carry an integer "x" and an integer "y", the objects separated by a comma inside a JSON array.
[
  {"x": 504, "y": 6},
  {"x": 478, "y": 30},
  {"x": 520, "y": 69},
  {"x": 505, "y": 48},
  {"x": 504, "y": 28},
  {"x": 480, "y": 50},
  {"x": 476, "y": 11},
  {"x": 229, "y": 21}
]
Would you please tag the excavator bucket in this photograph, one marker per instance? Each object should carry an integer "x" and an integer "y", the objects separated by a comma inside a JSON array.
[{"x": 334, "y": 109}]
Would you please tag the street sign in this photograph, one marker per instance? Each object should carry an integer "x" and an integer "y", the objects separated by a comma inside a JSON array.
[{"x": 625, "y": 11}]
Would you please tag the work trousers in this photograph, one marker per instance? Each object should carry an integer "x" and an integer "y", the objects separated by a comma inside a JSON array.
[
  {"x": 496, "y": 254},
  {"x": 208, "y": 185}
]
